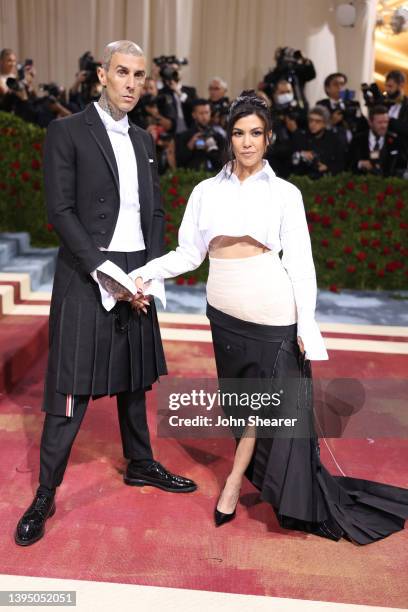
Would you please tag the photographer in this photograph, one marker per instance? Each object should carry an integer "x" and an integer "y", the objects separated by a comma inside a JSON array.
[
  {"x": 287, "y": 118},
  {"x": 377, "y": 150},
  {"x": 293, "y": 67},
  {"x": 201, "y": 146},
  {"x": 8, "y": 68},
  {"x": 86, "y": 87},
  {"x": 397, "y": 105},
  {"x": 317, "y": 151},
  {"x": 22, "y": 99},
  {"x": 345, "y": 112},
  {"x": 175, "y": 99}
]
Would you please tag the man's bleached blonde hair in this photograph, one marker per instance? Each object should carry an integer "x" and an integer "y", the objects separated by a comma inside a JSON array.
[{"x": 127, "y": 47}]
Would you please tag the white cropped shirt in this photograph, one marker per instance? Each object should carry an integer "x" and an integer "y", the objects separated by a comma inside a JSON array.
[{"x": 268, "y": 209}]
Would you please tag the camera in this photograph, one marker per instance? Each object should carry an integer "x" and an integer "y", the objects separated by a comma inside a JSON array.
[
  {"x": 286, "y": 56},
  {"x": 373, "y": 95},
  {"x": 16, "y": 84},
  {"x": 207, "y": 140},
  {"x": 167, "y": 70},
  {"x": 88, "y": 64},
  {"x": 298, "y": 157}
]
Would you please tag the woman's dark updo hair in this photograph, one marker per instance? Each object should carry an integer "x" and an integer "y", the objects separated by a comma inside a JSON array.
[{"x": 247, "y": 103}]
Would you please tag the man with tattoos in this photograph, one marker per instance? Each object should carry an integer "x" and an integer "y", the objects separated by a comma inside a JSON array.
[{"x": 103, "y": 200}]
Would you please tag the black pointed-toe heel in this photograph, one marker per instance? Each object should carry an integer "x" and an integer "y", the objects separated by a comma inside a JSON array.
[{"x": 220, "y": 518}]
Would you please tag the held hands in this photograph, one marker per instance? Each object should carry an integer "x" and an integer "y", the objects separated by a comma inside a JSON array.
[{"x": 140, "y": 301}]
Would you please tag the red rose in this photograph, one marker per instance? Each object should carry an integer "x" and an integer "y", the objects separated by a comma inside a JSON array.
[
  {"x": 376, "y": 226},
  {"x": 326, "y": 220},
  {"x": 396, "y": 214},
  {"x": 310, "y": 226},
  {"x": 391, "y": 266},
  {"x": 172, "y": 191},
  {"x": 331, "y": 264},
  {"x": 25, "y": 176},
  {"x": 351, "y": 269},
  {"x": 36, "y": 185},
  {"x": 386, "y": 250},
  {"x": 389, "y": 190},
  {"x": 324, "y": 242},
  {"x": 343, "y": 214},
  {"x": 397, "y": 246},
  {"x": 364, "y": 187},
  {"x": 364, "y": 241},
  {"x": 175, "y": 180},
  {"x": 380, "y": 197},
  {"x": 388, "y": 233},
  {"x": 35, "y": 164},
  {"x": 341, "y": 191},
  {"x": 181, "y": 201},
  {"x": 50, "y": 227},
  {"x": 364, "y": 225},
  {"x": 192, "y": 280},
  {"x": 37, "y": 146},
  {"x": 350, "y": 185},
  {"x": 348, "y": 249},
  {"x": 337, "y": 232},
  {"x": 318, "y": 199},
  {"x": 369, "y": 211},
  {"x": 399, "y": 204},
  {"x": 403, "y": 225},
  {"x": 372, "y": 265},
  {"x": 334, "y": 288},
  {"x": 15, "y": 165},
  {"x": 167, "y": 240},
  {"x": 180, "y": 280},
  {"x": 330, "y": 199},
  {"x": 375, "y": 243},
  {"x": 361, "y": 255},
  {"x": 167, "y": 216},
  {"x": 352, "y": 205},
  {"x": 381, "y": 272}
]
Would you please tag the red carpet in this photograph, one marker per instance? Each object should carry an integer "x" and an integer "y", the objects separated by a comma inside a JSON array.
[{"x": 104, "y": 530}]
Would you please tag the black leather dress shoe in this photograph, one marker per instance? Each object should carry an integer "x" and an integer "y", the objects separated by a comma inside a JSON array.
[
  {"x": 31, "y": 526},
  {"x": 156, "y": 475}
]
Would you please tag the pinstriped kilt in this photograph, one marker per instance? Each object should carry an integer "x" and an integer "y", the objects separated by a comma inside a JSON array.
[{"x": 94, "y": 352}]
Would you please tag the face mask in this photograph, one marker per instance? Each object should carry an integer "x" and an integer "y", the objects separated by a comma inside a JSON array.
[{"x": 285, "y": 98}]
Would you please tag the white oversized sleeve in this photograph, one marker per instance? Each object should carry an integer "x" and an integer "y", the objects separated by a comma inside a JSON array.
[
  {"x": 108, "y": 267},
  {"x": 190, "y": 252},
  {"x": 297, "y": 259}
]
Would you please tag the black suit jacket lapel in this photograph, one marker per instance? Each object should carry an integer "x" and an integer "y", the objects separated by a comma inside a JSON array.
[
  {"x": 144, "y": 177},
  {"x": 100, "y": 135}
]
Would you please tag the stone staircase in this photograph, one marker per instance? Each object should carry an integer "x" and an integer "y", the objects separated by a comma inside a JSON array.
[{"x": 18, "y": 256}]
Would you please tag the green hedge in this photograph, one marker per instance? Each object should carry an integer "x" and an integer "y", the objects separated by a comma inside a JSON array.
[{"x": 358, "y": 225}]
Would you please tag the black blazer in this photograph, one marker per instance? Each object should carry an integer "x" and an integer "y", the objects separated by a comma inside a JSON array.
[
  {"x": 82, "y": 195},
  {"x": 391, "y": 155},
  {"x": 82, "y": 187}
]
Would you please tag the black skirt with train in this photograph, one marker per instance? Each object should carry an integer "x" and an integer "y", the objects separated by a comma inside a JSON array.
[{"x": 287, "y": 470}]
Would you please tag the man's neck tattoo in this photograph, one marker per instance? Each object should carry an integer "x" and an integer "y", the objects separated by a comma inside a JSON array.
[{"x": 109, "y": 108}]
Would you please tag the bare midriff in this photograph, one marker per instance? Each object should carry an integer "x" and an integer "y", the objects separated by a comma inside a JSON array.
[{"x": 231, "y": 247}]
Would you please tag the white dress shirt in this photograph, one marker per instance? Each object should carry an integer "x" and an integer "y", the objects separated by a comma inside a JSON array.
[
  {"x": 128, "y": 235},
  {"x": 372, "y": 140},
  {"x": 268, "y": 209}
]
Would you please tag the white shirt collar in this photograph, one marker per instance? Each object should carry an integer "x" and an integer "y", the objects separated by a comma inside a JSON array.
[
  {"x": 265, "y": 173},
  {"x": 121, "y": 126}
]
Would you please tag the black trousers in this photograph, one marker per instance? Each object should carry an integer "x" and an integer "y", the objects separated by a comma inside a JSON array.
[{"x": 59, "y": 433}]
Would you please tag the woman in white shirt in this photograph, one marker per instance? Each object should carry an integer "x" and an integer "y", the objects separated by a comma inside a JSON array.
[{"x": 262, "y": 313}]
